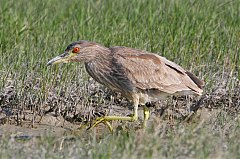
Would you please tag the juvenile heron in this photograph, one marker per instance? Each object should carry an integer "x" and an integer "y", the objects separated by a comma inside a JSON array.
[{"x": 138, "y": 75}]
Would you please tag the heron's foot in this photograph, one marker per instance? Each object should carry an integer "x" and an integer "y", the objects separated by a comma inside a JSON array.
[
  {"x": 105, "y": 120},
  {"x": 101, "y": 120},
  {"x": 133, "y": 117}
]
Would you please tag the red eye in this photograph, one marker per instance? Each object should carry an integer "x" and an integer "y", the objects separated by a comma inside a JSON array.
[{"x": 76, "y": 50}]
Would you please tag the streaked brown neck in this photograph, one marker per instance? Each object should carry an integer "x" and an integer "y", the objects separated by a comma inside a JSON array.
[
  {"x": 96, "y": 53},
  {"x": 98, "y": 64}
]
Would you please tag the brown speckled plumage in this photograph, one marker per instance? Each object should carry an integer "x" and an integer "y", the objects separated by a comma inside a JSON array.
[{"x": 139, "y": 75}]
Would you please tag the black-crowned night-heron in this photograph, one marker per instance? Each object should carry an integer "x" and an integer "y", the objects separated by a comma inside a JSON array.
[{"x": 138, "y": 75}]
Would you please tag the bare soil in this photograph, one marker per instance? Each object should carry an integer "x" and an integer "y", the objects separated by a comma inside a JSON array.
[{"x": 56, "y": 117}]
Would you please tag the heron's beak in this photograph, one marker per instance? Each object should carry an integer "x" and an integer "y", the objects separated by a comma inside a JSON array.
[{"x": 64, "y": 58}]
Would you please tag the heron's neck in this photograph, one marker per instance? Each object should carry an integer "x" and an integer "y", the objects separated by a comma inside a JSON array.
[
  {"x": 99, "y": 64},
  {"x": 96, "y": 54},
  {"x": 101, "y": 53},
  {"x": 100, "y": 61}
]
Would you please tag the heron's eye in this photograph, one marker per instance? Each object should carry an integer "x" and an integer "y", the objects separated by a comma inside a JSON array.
[{"x": 76, "y": 50}]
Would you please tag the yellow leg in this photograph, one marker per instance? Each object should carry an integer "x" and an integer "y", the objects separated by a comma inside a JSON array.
[
  {"x": 106, "y": 119},
  {"x": 146, "y": 114},
  {"x": 109, "y": 126}
]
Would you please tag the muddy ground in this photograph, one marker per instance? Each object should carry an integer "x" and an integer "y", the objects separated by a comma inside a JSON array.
[{"x": 61, "y": 114}]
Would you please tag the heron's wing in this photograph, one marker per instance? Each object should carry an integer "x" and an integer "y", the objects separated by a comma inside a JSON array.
[{"x": 150, "y": 71}]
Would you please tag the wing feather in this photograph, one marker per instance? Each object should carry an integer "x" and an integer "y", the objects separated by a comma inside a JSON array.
[{"x": 150, "y": 71}]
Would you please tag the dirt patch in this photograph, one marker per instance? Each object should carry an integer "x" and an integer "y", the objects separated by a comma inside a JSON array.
[{"x": 76, "y": 107}]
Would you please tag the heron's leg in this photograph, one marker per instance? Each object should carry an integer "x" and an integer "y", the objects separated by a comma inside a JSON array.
[
  {"x": 109, "y": 126},
  {"x": 146, "y": 114},
  {"x": 106, "y": 119}
]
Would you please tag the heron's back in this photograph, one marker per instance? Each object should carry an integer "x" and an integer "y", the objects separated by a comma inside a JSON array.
[{"x": 132, "y": 71}]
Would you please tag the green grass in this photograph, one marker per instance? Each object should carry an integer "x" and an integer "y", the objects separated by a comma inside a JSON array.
[
  {"x": 202, "y": 36},
  {"x": 211, "y": 140}
]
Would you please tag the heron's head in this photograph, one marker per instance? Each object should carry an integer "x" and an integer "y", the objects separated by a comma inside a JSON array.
[{"x": 77, "y": 51}]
